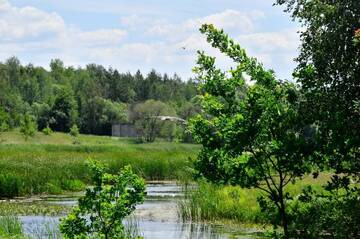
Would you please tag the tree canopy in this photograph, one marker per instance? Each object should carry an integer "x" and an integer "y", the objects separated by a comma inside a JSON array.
[
  {"x": 251, "y": 136},
  {"x": 92, "y": 97}
]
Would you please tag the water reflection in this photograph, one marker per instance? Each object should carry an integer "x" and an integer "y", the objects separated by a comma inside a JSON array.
[{"x": 155, "y": 219}]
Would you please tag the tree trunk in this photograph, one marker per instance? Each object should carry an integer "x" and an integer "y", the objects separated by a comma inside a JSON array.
[{"x": 283, "y": 215}]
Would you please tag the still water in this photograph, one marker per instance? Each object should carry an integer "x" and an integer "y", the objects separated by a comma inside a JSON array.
[{"x": 156, "y": 219}]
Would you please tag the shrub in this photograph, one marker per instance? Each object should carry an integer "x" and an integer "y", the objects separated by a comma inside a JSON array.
[
  {"x": 330, "y": 215},
  {"x": 74, "y": 131},
  {"x": 47, "y": 130},
  {"x": 113, "y": 197},
  {"x": 28, "y": 126}
]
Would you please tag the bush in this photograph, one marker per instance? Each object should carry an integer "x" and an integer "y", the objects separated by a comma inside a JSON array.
[
  {"x": 74, "y": 131},
  {"x": 47, "y": 130},
  {"x": 113, "y": 197},
  {"x": 28, "y": 126},
  {"x": 334, "y": 215}
]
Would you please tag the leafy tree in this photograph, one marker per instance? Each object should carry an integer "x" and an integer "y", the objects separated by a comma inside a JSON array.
[
  {"x": 254, "y": 139},
  {"x": 145, "y": 116},
  {"x": 4, "y": 120},
  {"x": 101, "y": 211},
  {"x": 28, "y": 126},
  {"x": 99, "y": 114},
  {"x": 13, "y": 72},
  {"x": 329, "y": 71},
  {"x": 57, "y": 70},
  {"x": 63, "y": 112},
  {"x": 42, "y": 112}
]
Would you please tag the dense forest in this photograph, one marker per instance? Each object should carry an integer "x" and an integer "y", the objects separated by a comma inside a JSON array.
[{"x": 93, "y": 98}]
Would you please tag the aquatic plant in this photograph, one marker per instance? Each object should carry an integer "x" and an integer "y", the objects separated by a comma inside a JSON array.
[{"x": 10, "y": 227}]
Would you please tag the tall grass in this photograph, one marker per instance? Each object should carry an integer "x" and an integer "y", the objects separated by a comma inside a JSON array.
[
  {"x": 10, "y": 227},
  {"x": 209, "y": 202},
  {"x": 33, "y": 168}
]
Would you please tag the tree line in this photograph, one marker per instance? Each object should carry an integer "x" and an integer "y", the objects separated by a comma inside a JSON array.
[{"x": 93, "y": 98}]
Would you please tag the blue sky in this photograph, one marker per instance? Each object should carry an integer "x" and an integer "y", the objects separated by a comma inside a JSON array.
[{"x": 142, "y": 34}]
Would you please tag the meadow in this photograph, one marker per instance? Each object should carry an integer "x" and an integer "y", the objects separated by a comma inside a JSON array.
[{"x": 56, "y": 163}]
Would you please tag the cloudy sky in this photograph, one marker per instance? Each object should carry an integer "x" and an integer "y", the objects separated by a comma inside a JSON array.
[{"x": 142, "y": 34}]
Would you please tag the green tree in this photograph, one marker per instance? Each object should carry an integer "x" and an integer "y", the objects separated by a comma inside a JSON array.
[
  {"x": 146, "y": 118},
  {"x": 254, "y": 139},
  {"x": 4, "y": 120},
  {"x": 100, "y": 213},
  {"x": 28, "y": 126},
  {"x": 63, "y": 111},
  {"x": 329, "y": 71},
  {"x": 57, "y": 70}
]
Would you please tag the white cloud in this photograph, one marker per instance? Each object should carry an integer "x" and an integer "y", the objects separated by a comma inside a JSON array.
[
  {"x": 142, "y": 42},
  {"x": 101, "y": 37},
  {"x": 229, "y": 20},
  {"x": 18, "y": 23},
  {"x": 49, "y": 29},
  {"x": 284, "y": 40}
]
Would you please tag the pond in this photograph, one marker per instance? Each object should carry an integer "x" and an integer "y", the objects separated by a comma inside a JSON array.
[{"x": 155, "y": 219}]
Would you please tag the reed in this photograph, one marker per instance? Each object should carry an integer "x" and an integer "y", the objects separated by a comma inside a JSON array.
[{"x": 33, "y": 167}]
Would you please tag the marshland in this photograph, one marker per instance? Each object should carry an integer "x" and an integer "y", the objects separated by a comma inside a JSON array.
[{"x": 179, "y": 119}]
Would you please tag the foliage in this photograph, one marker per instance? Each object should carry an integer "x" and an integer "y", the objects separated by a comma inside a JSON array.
[
  {"x": 357, "y": 37},
  {"x": 47, "y": 130},
  {"x": 92, "y": 97},
  {"x": 63, "y": 112},
  {"x": 256, "y": 139},
  {"x": 28, "y": 126},
  {"x": 322, "y": 215},
  {"x": 101, "y": 211},
  {"x": 74, "y": 131},
  {"x": 101, "y": 114},
  {"x": 328, "y": 70},
  {"x": 149, "y": 126},
  {"x": 42, "y": 112},
  {"x": 4, "y": 120}
]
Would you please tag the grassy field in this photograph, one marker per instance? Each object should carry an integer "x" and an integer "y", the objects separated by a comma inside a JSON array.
[{"x": 53, "y": 164}]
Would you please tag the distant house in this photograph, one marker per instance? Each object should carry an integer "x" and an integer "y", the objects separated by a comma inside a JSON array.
[{"x": 123, "y": 130}]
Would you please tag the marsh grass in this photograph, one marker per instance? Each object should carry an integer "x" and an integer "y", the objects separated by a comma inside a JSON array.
[
  {"x": 211, "y": 203},
  {"x": 52, "y": 164},
  {"x": 10, "y": 227},
  {"x": 33, "y": 208}
]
